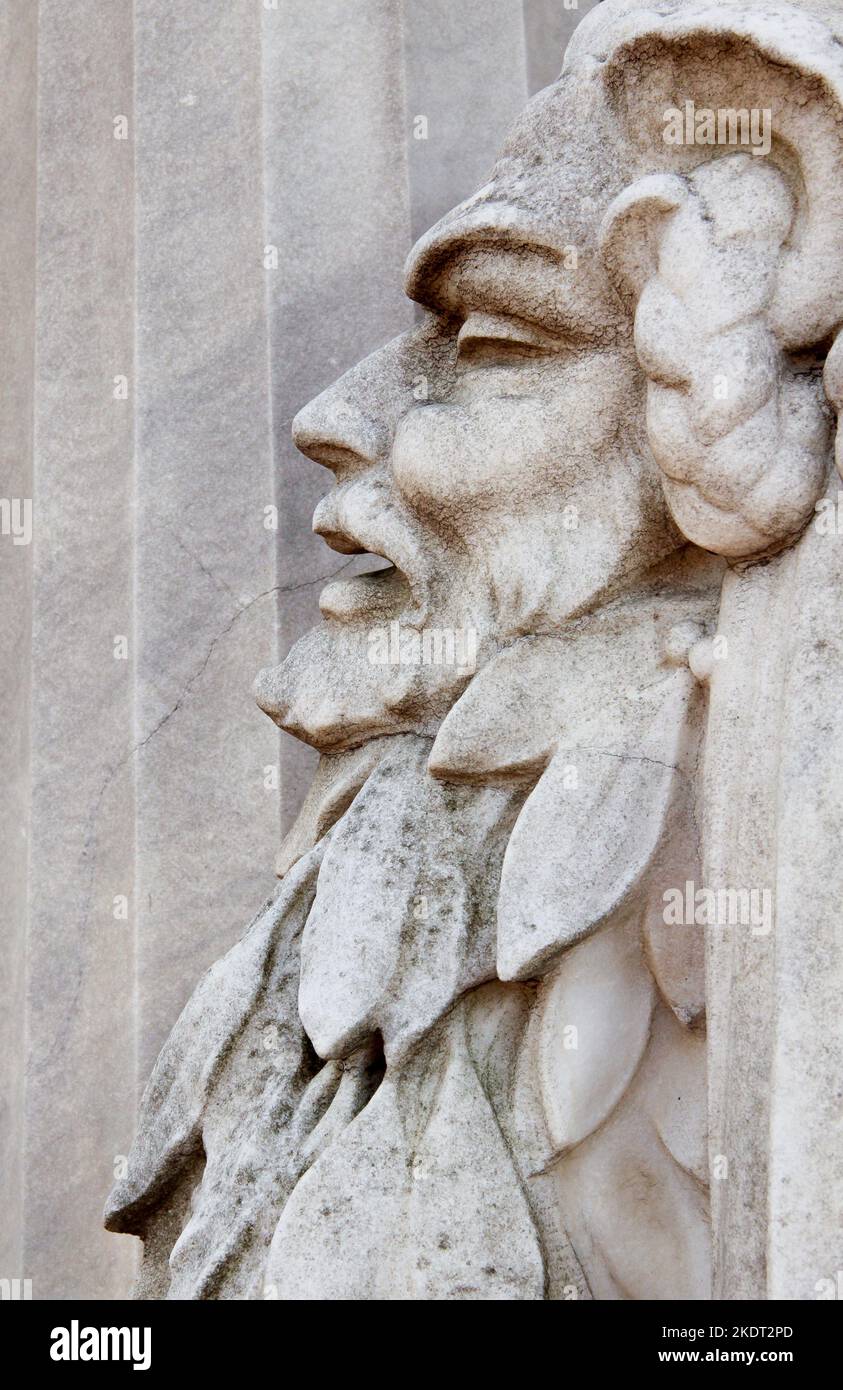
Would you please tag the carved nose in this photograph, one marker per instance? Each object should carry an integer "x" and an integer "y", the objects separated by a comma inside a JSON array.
[{"x": 336, "y": 432}]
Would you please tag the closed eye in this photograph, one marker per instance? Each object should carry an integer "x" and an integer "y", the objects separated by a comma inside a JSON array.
[{"x": 495, "y": 340}]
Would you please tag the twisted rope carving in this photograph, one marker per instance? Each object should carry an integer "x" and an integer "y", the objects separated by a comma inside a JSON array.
[{"x": 739, "y": 428}]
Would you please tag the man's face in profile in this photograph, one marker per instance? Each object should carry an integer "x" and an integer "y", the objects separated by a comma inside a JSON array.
[{"x": 487, "y": 455}]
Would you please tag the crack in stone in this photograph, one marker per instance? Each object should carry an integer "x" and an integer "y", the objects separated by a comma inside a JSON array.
[
  {"x": 198, "y": 561},
  {"x": 90, "y": 839},
  {"x": 243, "y": 608},
  {"x": 624, "y": 757}
]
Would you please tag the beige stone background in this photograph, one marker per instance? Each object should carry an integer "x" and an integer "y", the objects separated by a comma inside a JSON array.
[{"x": 151, "y": 367}]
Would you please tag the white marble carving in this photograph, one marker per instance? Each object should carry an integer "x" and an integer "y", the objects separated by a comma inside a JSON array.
[{"x": 571, "y": 737}]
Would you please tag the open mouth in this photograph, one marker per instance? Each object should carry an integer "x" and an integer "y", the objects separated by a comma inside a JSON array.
[
  {"x": 377, "y": 593},
  {"x": 379, "y": 587}
]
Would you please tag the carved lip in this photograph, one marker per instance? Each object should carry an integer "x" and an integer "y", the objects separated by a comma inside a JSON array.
[
  {"x": 397, "y": 590},
  {"x": 382, "y": 593}
]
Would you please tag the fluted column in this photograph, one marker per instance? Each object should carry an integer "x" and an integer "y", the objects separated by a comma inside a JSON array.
[
  {"x": 225, "y": 198},
  {"x": 80, "y": 933}
]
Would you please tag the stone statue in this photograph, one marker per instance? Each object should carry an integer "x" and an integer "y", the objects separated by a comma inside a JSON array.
[{"x": 579, "y": 783}]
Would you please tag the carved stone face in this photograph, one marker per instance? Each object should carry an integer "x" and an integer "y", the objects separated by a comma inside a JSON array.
[
  {"x": 482, "y": 453},
  {"x": 525, "y": 455},
  {"x": 454, "y": 906}
]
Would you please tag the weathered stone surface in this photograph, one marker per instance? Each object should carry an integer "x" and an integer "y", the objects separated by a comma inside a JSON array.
[
  {"x": 79, "y": 962},
  {"x": 348, "y": 186},
  {"x": 548, "y": 28},
  {"x": 547, "y": 1003},
  {"x": 205, "y": 563},
  {"x": 157, "y": 357},
  {"x": 18, "y": 33},
  {"x": 596, "y": 670}
]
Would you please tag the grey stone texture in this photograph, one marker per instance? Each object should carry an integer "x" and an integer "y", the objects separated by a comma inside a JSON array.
[
  {"x": 153, "y": 361},
  {"x": 17, "y": 335},
  {"x": 79, "y": 1042},
  {"x": 547, "y": 1003},
  {"x": 375, "y": 1091}
]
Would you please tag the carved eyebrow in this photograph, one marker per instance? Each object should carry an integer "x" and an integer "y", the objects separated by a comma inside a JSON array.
[
  {"x": 441, "y": 282},
  {"x": 516, "y": 281},
  {"x": 494, "y": 227}
]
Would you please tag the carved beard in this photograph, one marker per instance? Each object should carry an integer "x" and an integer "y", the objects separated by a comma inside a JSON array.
[
  {"x": 434, "y": 1087},
  {"x": 263, "y": 1104}
]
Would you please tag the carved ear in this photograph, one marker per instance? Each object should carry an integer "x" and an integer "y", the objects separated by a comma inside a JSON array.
[
  {"x": 732, "y": 260},
  {"x": 740, "y": 433}
]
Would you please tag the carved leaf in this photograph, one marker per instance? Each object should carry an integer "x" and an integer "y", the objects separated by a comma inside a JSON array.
[
  {"x": 560, "y": 879},
  {"x": 594, "y": 1023},
  {"x": 404, "y": 915}
]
